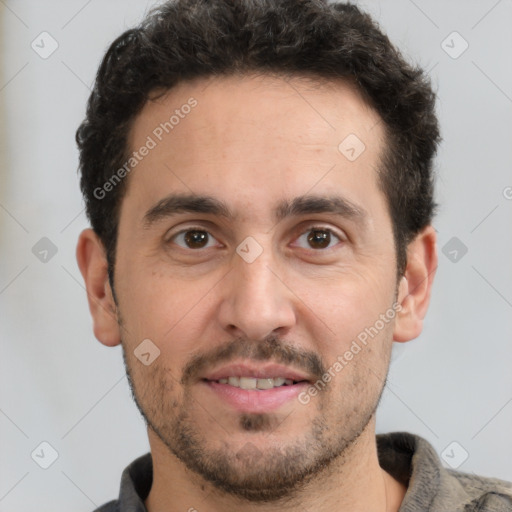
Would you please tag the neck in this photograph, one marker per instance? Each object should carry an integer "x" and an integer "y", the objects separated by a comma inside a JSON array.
[{"x": 356, "y": 483}]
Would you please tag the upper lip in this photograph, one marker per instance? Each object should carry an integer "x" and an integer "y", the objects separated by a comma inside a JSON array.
[{"x": 266, "y": 371}]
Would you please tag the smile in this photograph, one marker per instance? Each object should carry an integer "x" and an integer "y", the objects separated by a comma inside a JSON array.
[{"x": 252, "y": 383}]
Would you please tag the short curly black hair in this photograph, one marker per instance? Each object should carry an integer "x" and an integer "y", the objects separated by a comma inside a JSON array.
[{"x": 187, "y": 39}]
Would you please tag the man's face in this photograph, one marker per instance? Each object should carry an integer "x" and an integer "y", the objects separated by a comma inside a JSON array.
[{"x": 273, "y": 277}]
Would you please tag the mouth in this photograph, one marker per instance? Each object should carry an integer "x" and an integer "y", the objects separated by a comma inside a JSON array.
[
  {"x": 256, "y": 389},
  {"x": 252, "y": 383}
]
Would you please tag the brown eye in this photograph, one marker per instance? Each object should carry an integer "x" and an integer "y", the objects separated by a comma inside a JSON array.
[
  {"x": 196, "y": 239},
  {"x": 193, "y": 239},
  {"x": 319, "y": 239}
]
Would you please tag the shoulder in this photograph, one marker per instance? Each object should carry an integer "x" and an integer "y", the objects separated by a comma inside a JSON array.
[
  {"x": 484, "y": 494},
  {"x": 413, "y": 461},
  {"x": 111, "y": 506},
  {"x": 136, "y": 482}
]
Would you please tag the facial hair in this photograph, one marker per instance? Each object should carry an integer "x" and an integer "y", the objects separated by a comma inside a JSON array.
[{"x": 250, "y": 473}]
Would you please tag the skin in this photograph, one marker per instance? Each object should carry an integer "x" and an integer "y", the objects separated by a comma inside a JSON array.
[{"x": 252, "y": 142}]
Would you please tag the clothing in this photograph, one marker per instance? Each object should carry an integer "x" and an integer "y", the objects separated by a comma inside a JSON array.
[{"x": 410, "y": 459}]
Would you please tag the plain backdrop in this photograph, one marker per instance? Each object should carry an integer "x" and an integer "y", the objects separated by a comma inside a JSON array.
[{"x": 58, "y": 385}]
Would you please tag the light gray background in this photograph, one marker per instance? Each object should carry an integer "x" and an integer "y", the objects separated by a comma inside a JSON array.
[{"x": 59, "y": 385}]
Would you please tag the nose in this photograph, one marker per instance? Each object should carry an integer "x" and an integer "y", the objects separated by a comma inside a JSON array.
[{"x": 256, "y": 300}]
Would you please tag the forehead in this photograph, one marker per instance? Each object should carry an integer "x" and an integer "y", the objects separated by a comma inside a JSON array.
[
  {"x": 296, "y": 109},
  {"x": 255, "y": 136}
]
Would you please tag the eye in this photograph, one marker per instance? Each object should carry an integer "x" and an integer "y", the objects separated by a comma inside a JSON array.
[
  {"x": 318, "y": 238},
  {"x": 194, "y": 239}
]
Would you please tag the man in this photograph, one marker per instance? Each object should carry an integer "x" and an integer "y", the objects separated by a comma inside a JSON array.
[{"x": 258, "y": 176}]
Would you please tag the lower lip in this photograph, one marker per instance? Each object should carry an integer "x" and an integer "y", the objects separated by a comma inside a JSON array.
[{"x": 258, "y": 401}]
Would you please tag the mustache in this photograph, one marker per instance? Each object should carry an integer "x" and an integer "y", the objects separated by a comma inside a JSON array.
[{"x": 270, "y": 349}]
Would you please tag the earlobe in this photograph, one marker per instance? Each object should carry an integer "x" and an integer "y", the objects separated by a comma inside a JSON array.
[
  {"x": 92, "y": 262},
  {"x": 416, "y": 285}
]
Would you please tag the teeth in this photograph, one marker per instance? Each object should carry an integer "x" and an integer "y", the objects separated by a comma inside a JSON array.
[
  {"x": 265, "y": 383},
  {"x": 254, "y": 383},
  {"x": 234, "y": 381},
  {"x": 248, "y": 383}
]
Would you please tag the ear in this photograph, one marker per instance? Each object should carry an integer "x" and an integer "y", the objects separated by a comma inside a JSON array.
[
  {"x": 416, "y": 285},
  {"x": 92, "y": 261}
]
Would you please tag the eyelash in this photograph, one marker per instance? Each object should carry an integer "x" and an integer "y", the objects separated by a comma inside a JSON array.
[
  {"x": 308, "y": 230},
  {"x": 331, "y": 232}
]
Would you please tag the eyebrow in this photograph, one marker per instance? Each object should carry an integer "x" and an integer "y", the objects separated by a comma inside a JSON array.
[
  {"x": 185, "y": 203},
  {"x": 308, "y": 204}
]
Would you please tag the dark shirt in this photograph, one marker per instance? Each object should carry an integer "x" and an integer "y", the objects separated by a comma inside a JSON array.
[{"x": 407, "y": 457}]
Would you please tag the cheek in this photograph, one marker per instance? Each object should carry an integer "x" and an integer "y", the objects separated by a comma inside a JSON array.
[
  {"x": 344, "y": 306},
  {"x": 156, "y": 388},
  {"x": 154, "y": 301}
]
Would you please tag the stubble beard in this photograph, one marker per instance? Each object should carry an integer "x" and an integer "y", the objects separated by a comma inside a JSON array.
[{"x": 250, "y": 473}]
